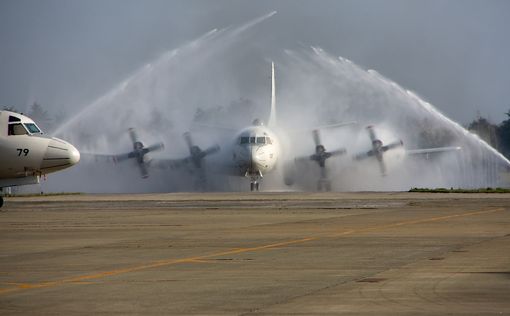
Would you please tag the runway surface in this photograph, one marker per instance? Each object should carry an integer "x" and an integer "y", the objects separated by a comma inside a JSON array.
[{"x": 256, "y": 254}]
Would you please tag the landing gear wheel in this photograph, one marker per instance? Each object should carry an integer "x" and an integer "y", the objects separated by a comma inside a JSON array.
[
  {"x": 1, "y": 201},
  {"x": 254, "y": 186}
]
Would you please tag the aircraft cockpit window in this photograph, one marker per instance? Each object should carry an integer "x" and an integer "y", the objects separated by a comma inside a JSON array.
[
  {"x": 254, "y": 140},
  {"x": 14, "y": 119},
  {"x": 16, "y": 129},
  {"x": 244, "y": 140},
  {"x": 32, "y": 128}
]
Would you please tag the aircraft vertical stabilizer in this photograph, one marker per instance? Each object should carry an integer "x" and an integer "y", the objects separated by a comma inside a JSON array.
[{"x": 272, "y": 115}]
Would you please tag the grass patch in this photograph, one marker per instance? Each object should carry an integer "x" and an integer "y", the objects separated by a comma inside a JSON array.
[{"x": 452, "y": 190}]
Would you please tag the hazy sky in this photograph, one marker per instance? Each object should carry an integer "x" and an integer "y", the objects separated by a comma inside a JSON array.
[{"x": 66, "y": 53}]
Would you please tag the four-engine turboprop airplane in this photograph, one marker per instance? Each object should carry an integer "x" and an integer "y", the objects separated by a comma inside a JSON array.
[
  {"x": 257, "y": 151},
  {"x": 26, "y": 154},
  {"x": 257, "y": 148}
]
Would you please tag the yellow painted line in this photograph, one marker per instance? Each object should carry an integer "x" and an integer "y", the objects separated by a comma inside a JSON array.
[
  {"x": 197, "y": 259},
  {"x": 414, "y": 222}
]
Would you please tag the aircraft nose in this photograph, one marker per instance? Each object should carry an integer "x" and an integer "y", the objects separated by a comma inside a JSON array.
[
  {"x": 258, "y": 157},
  {"x": 59, "y": 155},
  {"x": 74, "y": 155}
]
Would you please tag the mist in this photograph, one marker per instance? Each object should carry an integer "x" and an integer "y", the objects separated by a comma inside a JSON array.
[{"x": 221, "y": 79}]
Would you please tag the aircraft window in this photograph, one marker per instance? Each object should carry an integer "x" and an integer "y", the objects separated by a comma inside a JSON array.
[
  {"x": 32, "y": 128},
  {"x": 252, "y": 140},
  {"x": 261, "y": 140},
  {"x": 14, "y": 119},
  {"x": 244, "y": 140},
  {"x": 17, "y": 129}
]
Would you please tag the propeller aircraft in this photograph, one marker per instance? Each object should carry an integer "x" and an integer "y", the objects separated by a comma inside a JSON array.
[
  {"x": 26, "y": 153},
  {"x": 257, "y": 150}
]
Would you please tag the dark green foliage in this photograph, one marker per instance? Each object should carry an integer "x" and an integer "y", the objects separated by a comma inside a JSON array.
[
  {"x": 498, "y": 136},
  {"x": 503, "y": 133},
  {"x": 40, "y": 116},
  {"x": 459, "y": 190},
  {"x": 485, "y": 130}
]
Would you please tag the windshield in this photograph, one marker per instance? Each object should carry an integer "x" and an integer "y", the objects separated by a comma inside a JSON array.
[
  {"x": 254, "y": 140},
  {"x": 16, "y": 129},
  {"x": 32, "y": 128}
]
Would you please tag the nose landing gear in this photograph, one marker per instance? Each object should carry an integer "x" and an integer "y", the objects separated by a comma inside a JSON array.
[
  {"x": 254, "y": 180},
  {"x": 254, "y": 186}
]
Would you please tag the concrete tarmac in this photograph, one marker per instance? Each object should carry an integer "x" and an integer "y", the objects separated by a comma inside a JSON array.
[{"x": 256, "y": 254}]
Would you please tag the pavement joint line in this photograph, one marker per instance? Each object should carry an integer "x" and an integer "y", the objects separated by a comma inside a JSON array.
[{"x": 84, "y": 279}]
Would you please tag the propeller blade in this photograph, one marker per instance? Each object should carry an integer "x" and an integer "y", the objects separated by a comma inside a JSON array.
[
  {"x": 382, "y": 166},
  {"x": 371, "y": 133},
  {"x": 337, "y": 152},
  {"x": 133, "y": 135},
  {"x": 316, "y": 137},
  {"x": 154, "y": 147},
  {"x": 212, "y": 150},
  {"x": 187, "y": 138},
  {"x": 393, "y": 145}
]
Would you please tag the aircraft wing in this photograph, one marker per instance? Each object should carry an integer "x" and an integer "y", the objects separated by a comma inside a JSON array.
[
  {"x": 393, "y": 145},
  {"x": 336, "y": 125},
  {"x": 431, "y": 150},
  {"x": 362, "y": 156},
  {"x": 99, "y": 157},
  {"x": 321, "y": 127},
  {"x": 161, "y": 163}
]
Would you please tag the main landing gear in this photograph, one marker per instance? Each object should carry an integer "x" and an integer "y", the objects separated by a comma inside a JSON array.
[{"x": 324, "y": 183}]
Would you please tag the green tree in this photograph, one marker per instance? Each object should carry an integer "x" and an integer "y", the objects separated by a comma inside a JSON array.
[
  {"x": 503, "y": 133},
  {"x": 10, "y": 108},
  {"x": 40, "y": 116},
  {"x": 485, "y": 130}
]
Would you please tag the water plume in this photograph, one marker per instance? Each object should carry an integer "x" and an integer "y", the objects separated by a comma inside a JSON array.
[{"x": 202, "y": 82}]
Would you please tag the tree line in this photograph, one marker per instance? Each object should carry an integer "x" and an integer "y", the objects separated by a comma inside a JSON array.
[{"x": 497, "y": 135}]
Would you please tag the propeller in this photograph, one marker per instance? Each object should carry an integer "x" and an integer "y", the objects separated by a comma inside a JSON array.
[
  {"x": 321, "y": 155},
  {"x": 139, "y": 152},
  {"x": 378, "y": 149},
  {"x": 196, "y": 154}
]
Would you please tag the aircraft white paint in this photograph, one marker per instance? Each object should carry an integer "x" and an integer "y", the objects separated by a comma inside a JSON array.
[
  {"x": 257, "y": 148},
  {"x": 26, "y": 154},
  {"x": 255, "y": 151}
]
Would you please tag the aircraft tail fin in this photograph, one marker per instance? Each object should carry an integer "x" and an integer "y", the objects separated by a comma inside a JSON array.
[{"x": 272, "y": 114}]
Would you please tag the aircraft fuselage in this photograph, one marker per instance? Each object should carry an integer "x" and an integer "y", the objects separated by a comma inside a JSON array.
[
  {"x": 26, "y": 154},
  {"x": 256, "y": 151}
]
